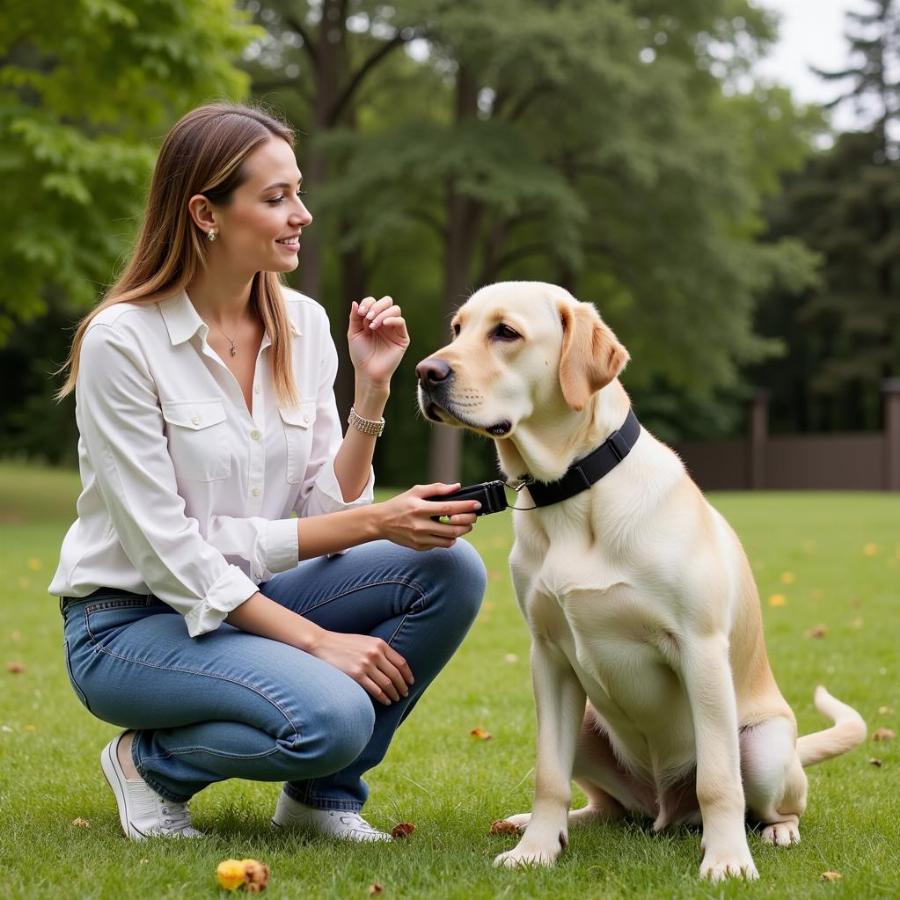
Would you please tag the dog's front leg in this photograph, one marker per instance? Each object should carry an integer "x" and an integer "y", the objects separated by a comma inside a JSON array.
[
  {"x": 560, "y": 701},
  {"x": 710, "y": 687}
]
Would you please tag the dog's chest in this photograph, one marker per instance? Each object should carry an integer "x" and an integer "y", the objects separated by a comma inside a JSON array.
[{"x": 617, "y": 639}]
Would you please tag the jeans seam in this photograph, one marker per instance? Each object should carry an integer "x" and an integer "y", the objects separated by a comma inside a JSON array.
[
  {"x": 183, "y": 751},
  {"x": 362, "y": 587},
  {"x": 215, "y": 675},
  {"x": 318, "y": 801}
]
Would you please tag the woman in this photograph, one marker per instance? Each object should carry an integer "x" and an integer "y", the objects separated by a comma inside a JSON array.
[{"x": 227, "y": 637}]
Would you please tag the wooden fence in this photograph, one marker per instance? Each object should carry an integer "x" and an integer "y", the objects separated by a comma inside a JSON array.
[{"x": 863, "y": 461}]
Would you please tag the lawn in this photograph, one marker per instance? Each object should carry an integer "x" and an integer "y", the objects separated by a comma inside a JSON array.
[{"x": 829, "y": 560}]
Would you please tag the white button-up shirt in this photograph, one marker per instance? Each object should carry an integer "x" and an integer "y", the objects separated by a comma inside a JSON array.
[{"x": 187, "y": 494}]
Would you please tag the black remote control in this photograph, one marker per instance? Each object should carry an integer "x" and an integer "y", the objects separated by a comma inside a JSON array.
[{"x": 489, "y": 493}]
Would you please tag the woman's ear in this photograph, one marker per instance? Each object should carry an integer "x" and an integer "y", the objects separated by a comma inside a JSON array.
[
  {"x": 591, "y": 356},
  {"x": 202, "y": 212}
]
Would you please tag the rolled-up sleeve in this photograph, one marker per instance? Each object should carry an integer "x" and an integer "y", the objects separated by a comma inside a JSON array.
[
  {"x": 269, "y": 546},
  {"x": 121, "y": 424},
  {"x": 321, "y": 492}
]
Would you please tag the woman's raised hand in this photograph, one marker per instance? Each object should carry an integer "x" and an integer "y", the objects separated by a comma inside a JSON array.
[
  {"x": 409, "y": 519},
  {"x": 377, "y": 339}
]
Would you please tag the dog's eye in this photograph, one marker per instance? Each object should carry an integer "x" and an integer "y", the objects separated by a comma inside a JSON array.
[
  {"x": 455, "y": 328},
  {"x": 504, "y": 333}
]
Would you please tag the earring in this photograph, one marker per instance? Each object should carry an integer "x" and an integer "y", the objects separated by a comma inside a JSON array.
[{"x": 211, "y": 235}]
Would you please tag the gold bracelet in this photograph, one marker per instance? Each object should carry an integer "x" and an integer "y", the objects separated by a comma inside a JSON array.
[{"x": 373, "y": 427}]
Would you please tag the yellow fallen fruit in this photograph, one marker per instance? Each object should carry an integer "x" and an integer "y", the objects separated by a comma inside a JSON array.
[{"x": 231, "y": 874}]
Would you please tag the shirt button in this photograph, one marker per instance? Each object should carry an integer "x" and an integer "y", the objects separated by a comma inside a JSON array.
[
  {"x": 255, "y": 435},
  {"x": 196, "y": 420},
  {"x": 255, "y": 492},
  {"x": 305, "y": 420},
  {"x": 257, "y": 389}
]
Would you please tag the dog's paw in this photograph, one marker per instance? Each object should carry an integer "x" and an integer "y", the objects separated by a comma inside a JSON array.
[
  {"x": 718, "y": 865},
  {"x": 522, "y": 857},
  {"x": 520, "y": 821},
  {"x": 781, "y": 834},
  {"x": 535, "y": 849}
]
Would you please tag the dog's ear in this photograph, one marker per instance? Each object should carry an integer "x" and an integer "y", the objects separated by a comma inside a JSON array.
[{"x": 591, "y": 354}]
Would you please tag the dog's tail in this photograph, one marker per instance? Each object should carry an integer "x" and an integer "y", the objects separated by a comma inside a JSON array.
[{"x": 848, "y": 731}]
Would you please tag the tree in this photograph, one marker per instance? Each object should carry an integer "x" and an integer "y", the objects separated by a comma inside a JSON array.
[
  {"x": 87, "y": 89},
  {"x": 845, "y": 331},
  {"x": 571, "y": 149}
]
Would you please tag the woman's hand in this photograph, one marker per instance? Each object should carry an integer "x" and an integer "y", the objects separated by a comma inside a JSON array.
[
  {"x": 369, "y": 661},
  {"x": 408, "y": 519},
  {"x": 377, "y": 338}
]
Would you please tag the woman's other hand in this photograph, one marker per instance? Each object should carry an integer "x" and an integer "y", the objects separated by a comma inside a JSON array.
[
  {"x": 377, "y": 338},
  {"x": 409, "y": 519},
  {"x": 369, "y": 661}
]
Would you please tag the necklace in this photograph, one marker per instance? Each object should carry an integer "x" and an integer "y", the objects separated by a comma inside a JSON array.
[{"x": 233, "y": 348}]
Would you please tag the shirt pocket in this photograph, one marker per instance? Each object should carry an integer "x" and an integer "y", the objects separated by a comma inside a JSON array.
[
  {"x": 298, "y": 422},
  {"x": 198, "y": 439}
]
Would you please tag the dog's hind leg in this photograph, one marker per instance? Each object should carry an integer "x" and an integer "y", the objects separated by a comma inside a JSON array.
[{"x": 774, "y": 780}]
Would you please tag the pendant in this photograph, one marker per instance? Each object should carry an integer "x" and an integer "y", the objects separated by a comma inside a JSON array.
[{"x": 233, "y": 350}]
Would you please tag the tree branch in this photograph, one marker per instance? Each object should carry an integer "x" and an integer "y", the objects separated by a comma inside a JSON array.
[
  {"x": 398, "y": 40},
  {"x": 312, "y": 51}
]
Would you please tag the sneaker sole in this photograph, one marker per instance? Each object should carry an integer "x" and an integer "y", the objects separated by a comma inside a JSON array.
[{"x": 115, "y": 778}]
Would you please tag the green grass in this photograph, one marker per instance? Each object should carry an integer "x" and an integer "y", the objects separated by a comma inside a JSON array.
[{"x": 437, "y": 776}]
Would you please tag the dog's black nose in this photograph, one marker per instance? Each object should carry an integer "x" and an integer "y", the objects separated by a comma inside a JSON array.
[{"x": 433, "y": 371}]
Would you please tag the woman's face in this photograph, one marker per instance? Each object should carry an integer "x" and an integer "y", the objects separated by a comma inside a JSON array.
[{"x": 259, "y": 230}]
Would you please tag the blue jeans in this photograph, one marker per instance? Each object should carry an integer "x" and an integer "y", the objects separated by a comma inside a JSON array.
[{"x": 235, "y": 705}]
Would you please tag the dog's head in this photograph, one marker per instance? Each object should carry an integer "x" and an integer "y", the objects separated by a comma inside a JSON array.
[{"x": 520, "y": 350}]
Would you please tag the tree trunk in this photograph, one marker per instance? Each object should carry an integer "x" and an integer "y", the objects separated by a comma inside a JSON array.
[{"x": 463, "y": 220}]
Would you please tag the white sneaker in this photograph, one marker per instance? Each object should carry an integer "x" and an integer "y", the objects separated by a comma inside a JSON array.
[
  {"x": 142, "y": 812},
  {"x": 334, "y": 823}
]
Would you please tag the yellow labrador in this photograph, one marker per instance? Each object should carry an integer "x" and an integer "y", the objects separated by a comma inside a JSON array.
[{"x": 638, "y": 595}]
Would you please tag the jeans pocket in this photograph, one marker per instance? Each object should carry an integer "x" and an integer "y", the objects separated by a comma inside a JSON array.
[{"x": 78, "y": 691}]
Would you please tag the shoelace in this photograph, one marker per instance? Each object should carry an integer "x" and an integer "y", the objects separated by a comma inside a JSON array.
[
  {"x": 354, "y": 820},
  {"x": 176, "y": 817}
]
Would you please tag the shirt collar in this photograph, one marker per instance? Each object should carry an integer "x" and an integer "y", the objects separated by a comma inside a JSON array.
[{"x": 183, "y": 321}]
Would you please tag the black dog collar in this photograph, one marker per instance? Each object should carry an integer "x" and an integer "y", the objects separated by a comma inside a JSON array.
[
  {"x": 589, "y": 469},
  {"x": 579, "y": 476}
]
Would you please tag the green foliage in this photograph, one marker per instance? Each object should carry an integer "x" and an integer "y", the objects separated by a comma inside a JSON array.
[
  {"x": 844, "y": 329},
  {"x": 87, "y": 88}
]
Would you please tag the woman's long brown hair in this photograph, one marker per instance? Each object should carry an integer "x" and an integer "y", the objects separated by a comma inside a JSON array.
[{"x": 202, "y": 154}]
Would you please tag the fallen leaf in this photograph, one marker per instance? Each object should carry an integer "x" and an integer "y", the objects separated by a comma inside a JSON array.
[
  {"x": 24, "y": 583},
  {"x": 777, "y": 600},
  {"x": 15, "y": 668},
  {"x": 884, "y": 734},
  {"x": 402, "y": 830},
  {"x": 870, "y": 550},
  {"x": 788, "y": 577},
  {"x": 885, "y": 710},
  {"x": 817, "y": 631},
  {"x": 857, "y": 623},
  {"x": 831, "y": 876},
  {"x": 376, "y": 888},
  {"x": 81, "y": 823},
  {"x": 480, "y": 734},
  {"x": 501, "y": 826},
  {"x": 230, "y": 874},
  {"x": 15, "y": 636},
  {"x": 874, "y": 761},
  {"x": 6, "y": 729},
  {"x": 257, "y": 875},
  {"x": 510, "y": 658},
  {"x": 144, "y": 862},
  {"x": 35, "y": 564},
  {"x": 29, "y": 728}
]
